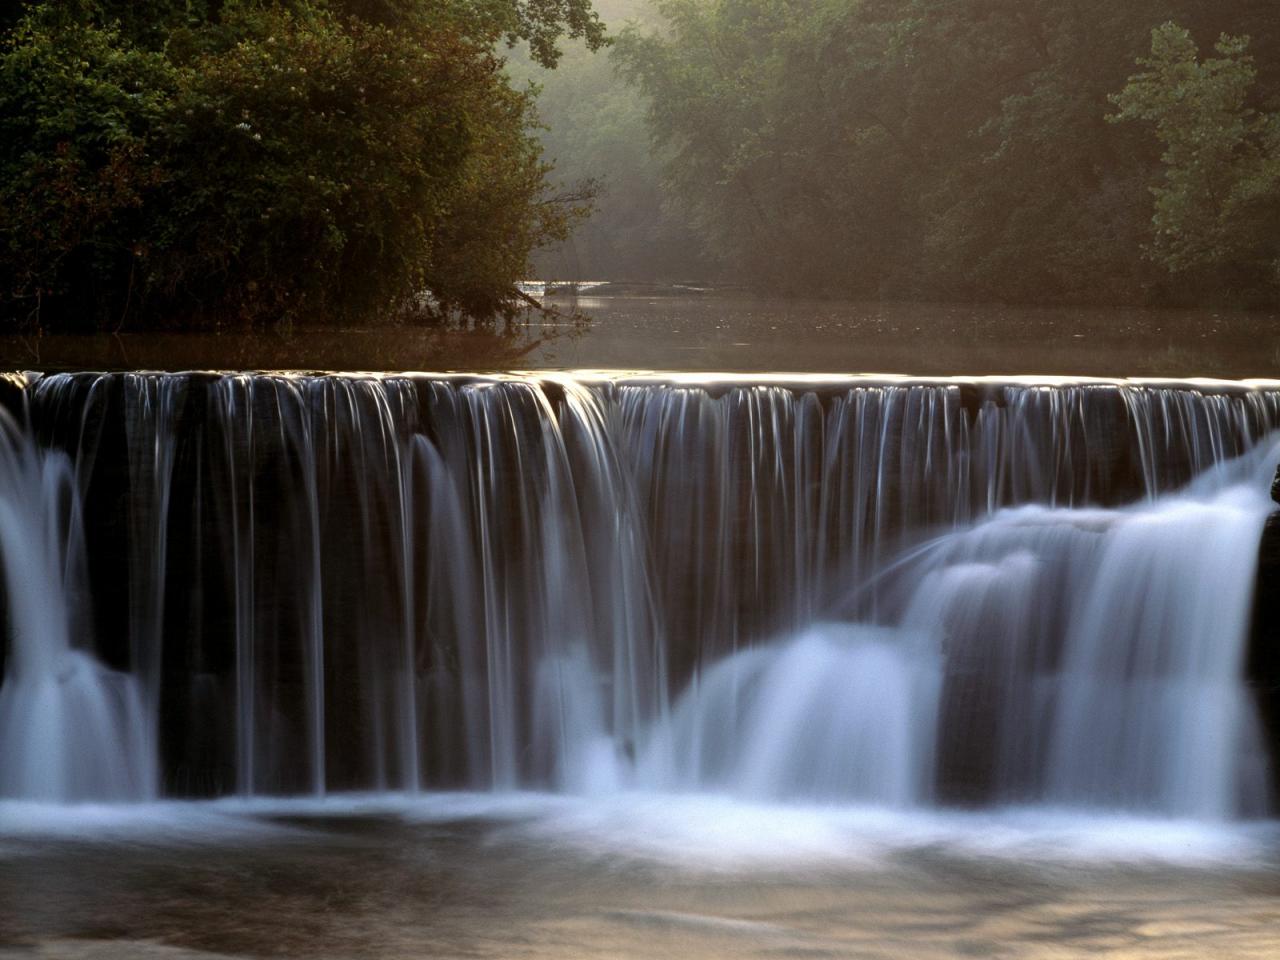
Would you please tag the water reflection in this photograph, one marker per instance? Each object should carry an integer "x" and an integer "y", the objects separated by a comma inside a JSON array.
[
  {"x": 750, "y": 335},
  {"x": 380, "y": 348},
  {"x": 724, "y": 332}
]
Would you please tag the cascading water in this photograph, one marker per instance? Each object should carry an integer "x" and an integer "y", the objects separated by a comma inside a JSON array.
[
  {"x": 840, "y": 713},
  {"x": 1095, "y": 656},
  {"x": 845, "y": 591},
  {"x": 70, "y": 729}
]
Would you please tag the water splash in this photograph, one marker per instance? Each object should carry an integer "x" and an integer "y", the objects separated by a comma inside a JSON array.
[
  {"x": 855, "y": 591},
  {"x": 840, "y": 713},
  {"x": 70, "y": 729}
]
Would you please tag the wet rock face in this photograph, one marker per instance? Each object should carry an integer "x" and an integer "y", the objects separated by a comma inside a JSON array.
[{"x": 1264, "y": 647}]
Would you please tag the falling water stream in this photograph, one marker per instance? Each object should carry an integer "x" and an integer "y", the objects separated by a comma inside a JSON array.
[
  {"x": 899, "y": 593},
  {"x": 70, "y": 729},
  {"x": 407, "y": 665}
]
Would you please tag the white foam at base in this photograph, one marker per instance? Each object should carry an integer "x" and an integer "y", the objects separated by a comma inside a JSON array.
[{"x": 686, "y": 832}]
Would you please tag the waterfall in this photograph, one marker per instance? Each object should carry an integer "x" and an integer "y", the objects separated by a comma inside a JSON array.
[
  {"x": 845, "y": 590},
  {"x": 839, "y": 713},
  {"x": 70, "y": 728},
  {"x": 1095, "y": 656}
]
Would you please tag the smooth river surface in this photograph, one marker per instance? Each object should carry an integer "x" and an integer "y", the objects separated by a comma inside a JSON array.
[
  {"x": 724, "y": 333},
  {"x": 640, "y": 876},
  {"x": 728, "y": 333}
]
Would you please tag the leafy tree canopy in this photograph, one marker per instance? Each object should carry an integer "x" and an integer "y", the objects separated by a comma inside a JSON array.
[
  {"x": 952, "y": 149},
  {"x": 234, "y": 161},
  {"x": 1218, "y": 201}
]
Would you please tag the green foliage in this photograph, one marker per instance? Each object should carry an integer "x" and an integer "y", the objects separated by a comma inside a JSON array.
[
  {"x": 952, "y": 149},
  {"x": 540, "y": 23},
  {"x": 314, "y": 165},
  {"x": 1218, "y": 201},
  {"x": 278, "y": 160},
  {"x": 265, "y": 162},
  {"x": 77, "y": 110}
]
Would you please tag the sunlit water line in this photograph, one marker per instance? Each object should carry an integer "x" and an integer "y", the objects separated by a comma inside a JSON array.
[{"x": 614, "y": 543}]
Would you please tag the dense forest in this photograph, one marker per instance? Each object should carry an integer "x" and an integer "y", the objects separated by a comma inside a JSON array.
[
  {"x": 195, "y": 162},
  {"x": 1005, "y": 150}
]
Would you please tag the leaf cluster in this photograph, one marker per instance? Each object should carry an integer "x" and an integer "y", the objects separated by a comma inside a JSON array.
[
  {"x": 948, "y": 149},
  {"x": 248, "y": 162},
  {"x": 1218, "y": 198}
]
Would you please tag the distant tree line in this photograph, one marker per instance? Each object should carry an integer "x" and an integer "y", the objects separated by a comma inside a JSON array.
[
  {"x": 1007, "y": 150},
  {"x": 188, "y": 162},
  {"x": 197, "y": 162}
]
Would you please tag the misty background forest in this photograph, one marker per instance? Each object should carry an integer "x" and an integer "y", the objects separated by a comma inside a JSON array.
[
  {"x": 187, "y": 164},
  {"x": 974, "y": 150}
]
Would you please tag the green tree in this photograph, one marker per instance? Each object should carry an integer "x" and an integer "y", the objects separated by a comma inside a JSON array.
[
  {"x": 953, "y": 149},
  {"x": 595, "y": 134},
  {"x": 1218, "y": 200},
  {"x": 243, "y": 161},
  {"x": 78, "y": 111}
]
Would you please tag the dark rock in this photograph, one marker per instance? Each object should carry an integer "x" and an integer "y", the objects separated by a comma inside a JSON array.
[{"x": 1264, "y": 647}]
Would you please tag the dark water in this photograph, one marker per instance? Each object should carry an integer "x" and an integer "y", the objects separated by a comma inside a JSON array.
[
  {"x": 537, "y": 878},
  {"x": 732, "y": 333},
  {"x": 922, "y": 339}
]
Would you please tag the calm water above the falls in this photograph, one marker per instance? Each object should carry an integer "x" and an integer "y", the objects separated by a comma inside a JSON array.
[{"x": 721, "y": 332}]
